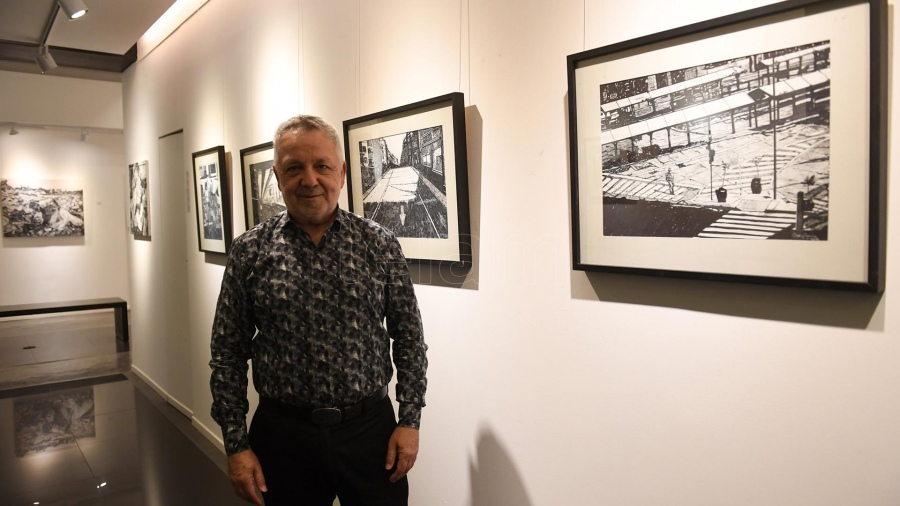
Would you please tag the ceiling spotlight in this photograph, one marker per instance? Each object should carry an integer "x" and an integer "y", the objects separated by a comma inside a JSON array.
[
  {"x": 13, "y": 131},
  {"x": 74, "y": 8},
  {"x": 44, "y": 59}
]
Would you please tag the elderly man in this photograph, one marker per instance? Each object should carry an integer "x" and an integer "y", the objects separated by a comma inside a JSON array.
[{"x": 306, "y": 295}]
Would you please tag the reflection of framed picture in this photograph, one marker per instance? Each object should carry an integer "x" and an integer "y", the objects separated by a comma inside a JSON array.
[
  {"x": 747, "y": 148},
  {"x": 407, "y": 171},
  {"x": 53, "y": 421},
  {"x": 262, "y": 198},
  {"x": 139, "y": 199},
  {"x": 211, "y": 196}
]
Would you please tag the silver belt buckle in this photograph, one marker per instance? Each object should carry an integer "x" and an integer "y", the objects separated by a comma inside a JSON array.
[{"x": 326, "y": 416}]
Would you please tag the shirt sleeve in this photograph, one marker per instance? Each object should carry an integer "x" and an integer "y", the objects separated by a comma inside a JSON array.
[
  {"x": 232, "y": 334},
  {"x": 404, "y": 325}
]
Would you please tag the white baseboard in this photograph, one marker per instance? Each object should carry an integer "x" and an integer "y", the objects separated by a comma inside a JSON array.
[
  {"x": 154, "y": 385},
  {"x": 213, "y": 436},
  {"x": 186, "y": 411}
]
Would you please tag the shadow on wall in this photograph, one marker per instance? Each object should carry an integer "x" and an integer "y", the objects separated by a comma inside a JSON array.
[
  {"x": 454, "y": 276},
  {"x": 493, "y": 475},
  {"x": 830, "y": 308}
]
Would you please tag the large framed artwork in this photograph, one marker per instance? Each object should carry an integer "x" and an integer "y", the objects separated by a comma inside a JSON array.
[
  {"x": 139, "y": 199},
  {"x": 747, "y": 148},
  {"x": 407, "y": 171},
  {"x": 211, "y": 196},
  {"x": 262, "y": 198},
  {"x": 41, "y": 208}
]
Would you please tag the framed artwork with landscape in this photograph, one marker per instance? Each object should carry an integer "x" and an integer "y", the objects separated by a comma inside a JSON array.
[
  {"x": 262, "y": 198},
  {"x": 41, "y": 208},
  {"x": 407, "y": 170},
  {"x": 748, "y": 148},
  {"x": 211, "y": 197}
]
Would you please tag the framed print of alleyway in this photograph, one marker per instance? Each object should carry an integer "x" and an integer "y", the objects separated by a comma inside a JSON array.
[
  {"x": 407, "y": 171},
  {"x": 746, "y": 148},
  {"x": 211, "y": 197},
  {"x": 262, "y": 198}
]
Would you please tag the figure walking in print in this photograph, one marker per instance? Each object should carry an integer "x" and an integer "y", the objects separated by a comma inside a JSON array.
[{"x": 758, "y": 123}]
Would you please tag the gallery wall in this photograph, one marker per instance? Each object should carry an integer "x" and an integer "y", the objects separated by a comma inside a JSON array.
[
  {"x": 546, "y": 385},
  {"x": 61, "y": 101},
  {"x": 51, "y": 113}
]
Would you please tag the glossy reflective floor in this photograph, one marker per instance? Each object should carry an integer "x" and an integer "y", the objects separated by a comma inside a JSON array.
[{"x": 108, "y": 440}]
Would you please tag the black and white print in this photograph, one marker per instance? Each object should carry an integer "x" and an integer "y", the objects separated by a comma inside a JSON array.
[
  {"x": 211, "y": 202},
  {"x": 728, "y": 149},
  {"x": 54, "y": 421},
  {"x": 139, "y": 199},
  {"x": 403, "y": 182},
  {"x": 41, "y": 209},
  {"x": 266, "y": 197}
]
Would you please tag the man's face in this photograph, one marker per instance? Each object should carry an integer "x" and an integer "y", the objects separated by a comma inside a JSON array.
[{"x": 310, "y": 176}]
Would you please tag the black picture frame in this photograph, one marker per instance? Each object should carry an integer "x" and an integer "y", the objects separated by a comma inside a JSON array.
[
  {"x": 139, "y": 199},
  {"x": 212, "y": 200},
  {"x": 407, "y": 170},
  {"x": 651, "y": 116},
  {"x": 262, "y": 198}
]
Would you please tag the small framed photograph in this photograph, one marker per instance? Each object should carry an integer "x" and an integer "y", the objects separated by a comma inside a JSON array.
[
  {"x": 211, "y": 197},
  {"x": 407, "y": 171},
  {"x": 748, "y": 148},
  {"x": 262, "y": 198},
  {"x": 139, "y": 199}
]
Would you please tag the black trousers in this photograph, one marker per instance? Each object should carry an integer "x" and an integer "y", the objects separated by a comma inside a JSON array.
[{"x": 309, "y": 465}]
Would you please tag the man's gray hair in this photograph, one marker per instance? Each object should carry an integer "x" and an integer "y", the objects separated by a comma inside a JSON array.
[{"x": 305, "y": 123}]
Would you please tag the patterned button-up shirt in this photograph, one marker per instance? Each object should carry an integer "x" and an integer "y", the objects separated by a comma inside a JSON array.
[{"x": 312, "y": 319}]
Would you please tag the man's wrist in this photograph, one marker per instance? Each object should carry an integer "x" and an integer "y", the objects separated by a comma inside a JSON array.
[
  {"x": 234, "y": 436},
  {"x": 409, "y": 415}
]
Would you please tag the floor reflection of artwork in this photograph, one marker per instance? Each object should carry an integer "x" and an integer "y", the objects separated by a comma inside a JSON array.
[
  {"x": 53, "y": 421},
  {"x": 41, "y": 209}
]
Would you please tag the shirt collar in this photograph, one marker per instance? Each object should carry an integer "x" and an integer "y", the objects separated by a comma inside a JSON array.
[{"x": 339, "y": 223}]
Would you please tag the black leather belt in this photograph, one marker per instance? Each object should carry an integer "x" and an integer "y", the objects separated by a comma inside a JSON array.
[{"x": 324, "y": 416}]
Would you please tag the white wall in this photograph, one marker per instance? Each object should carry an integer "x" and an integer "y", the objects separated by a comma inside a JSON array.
[
  {"x": 546, "y": 386},
  {"x": 60, "y": 101},
  {"x": 51, "y": 269}
]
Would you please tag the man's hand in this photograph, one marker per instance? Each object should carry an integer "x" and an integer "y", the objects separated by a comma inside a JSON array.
[
  {"x": 246, "y": 474},
  {"x": 402, "y": 450}
]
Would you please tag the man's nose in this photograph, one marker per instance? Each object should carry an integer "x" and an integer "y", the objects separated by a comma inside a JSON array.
[{"x": 308, "y": 177}]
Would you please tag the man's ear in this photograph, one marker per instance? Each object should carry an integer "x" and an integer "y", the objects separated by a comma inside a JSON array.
[
  {"x": 276, "y": 177},
  {"x": 343, "y": 173}
]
